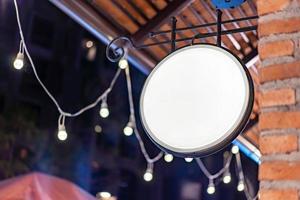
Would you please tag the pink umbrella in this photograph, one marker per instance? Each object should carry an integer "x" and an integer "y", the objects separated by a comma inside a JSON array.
[{"x": 38, "y": 186}]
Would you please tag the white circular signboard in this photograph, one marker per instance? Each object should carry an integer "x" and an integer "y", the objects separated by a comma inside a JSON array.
[{"x": 196, "y": 100}]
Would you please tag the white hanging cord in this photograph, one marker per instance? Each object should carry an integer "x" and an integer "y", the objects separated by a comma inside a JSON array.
[
  {"x": 23, "y": 47},
  {"x": 216, "y": 175},
  {"x": 132, "y": 115},
  {"x": 242, "y": 177}
]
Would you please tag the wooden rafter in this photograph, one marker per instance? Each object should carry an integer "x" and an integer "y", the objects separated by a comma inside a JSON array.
[
  {"x": 161, "y": 18},
  {"x": 82, "y": 13}
]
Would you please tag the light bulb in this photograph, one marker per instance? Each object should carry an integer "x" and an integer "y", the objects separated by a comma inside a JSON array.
[
  {"x": 62, "y": 134},
  {"x": 168, "y": 157},
  {"x": 211, "y": 188},
  {"x": 234, "y": 149},
  {"x": 19, "y": 61},
  {"x": 188, "y": 160},
  {"x": 98, "y": 129},
  {"x": 104, "y": 195},
  {"x": 227, "y": 178},
  {"x": 128, "y": 130},
  {"x": 148, "y": 176},
  {"x": 241, "y": 186},
  {"x": 123, "y": 63},
  {"x": 104, "y": 112},
  {"x": 89, "y": 44}
]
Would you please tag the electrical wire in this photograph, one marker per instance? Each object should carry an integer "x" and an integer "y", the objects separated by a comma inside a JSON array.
[
  {"x": 219, "y": 173},
  {"x": 242, "y": 177},
  {"x": 132, "y": 116},
  {"x": 23, "y": 47}
]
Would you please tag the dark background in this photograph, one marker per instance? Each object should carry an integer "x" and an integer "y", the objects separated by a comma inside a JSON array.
[{"x": 102, "y": 161}]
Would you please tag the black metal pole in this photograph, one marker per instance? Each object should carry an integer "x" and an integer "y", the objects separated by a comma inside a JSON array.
[
  {"x": 201, "y": 35},
  {"x": 173, "y": 34},
  {"x": 152, "y": 34},
  {"x": 219, "y": 27}
]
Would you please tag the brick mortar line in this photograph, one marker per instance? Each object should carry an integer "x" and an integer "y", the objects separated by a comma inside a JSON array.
[
  {"x": 278, "y": 60},
  {"x": 280, "y": 184},
  {"x": 278, "y": 132},
  {"x": 283, "y": 108},
  {"x": 279, "y": 84},
  {"x": 290, "y": 157},
  {"x": 295, "y": 36},
  {"x": 290, "y": 12}
]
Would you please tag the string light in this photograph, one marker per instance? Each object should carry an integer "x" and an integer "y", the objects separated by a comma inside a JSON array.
[
  {"x": 136, "y": 131},
  {"x": 123, "y": 63},
  {"x": 188, "y": 160},
  {"x": 234, "y": 149},
  {"x": 104, "y": 195},
  {"x": 241, "y": 186},
  {"x": 226, "y": 174},
  {"x": 98, "y": 129},
  {"x": 62, "y": 134},
  {"x": 128, "y": 129},
  {"x": 227, "y": 177},
  {"x": 19, "y": 60},
  {"x": 89, "y": 44},
  {"x": 148, "y": 176},
  {"x": 211, "y": 187},
  {"x": 168, "y": 158},
  {"x": 104, "y": 111}
]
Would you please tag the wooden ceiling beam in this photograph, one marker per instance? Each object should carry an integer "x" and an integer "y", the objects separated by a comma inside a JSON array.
[
  {"x": 86, "y": 16},
  {"x": 162, "y": 17}
]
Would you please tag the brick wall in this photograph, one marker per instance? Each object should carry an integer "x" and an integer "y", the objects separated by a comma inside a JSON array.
[{"x": 279, "y": 121}]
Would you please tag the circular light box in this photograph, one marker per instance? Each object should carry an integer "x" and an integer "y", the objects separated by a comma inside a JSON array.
[{"x": 196, "y": 100}]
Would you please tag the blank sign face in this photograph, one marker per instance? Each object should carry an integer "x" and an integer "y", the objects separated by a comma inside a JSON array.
[{"x": 196, "y": 100}]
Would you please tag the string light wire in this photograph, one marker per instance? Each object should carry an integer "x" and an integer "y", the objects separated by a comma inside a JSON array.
[
  {"x": 219, "y": 173},
  {"x": 23, "y": 49},
  {"x": 67, "y": 114},
  {"x": 242, "y": 177},
  {"x": 132, "y": 114}
]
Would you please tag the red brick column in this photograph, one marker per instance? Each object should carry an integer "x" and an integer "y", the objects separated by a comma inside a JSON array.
[{"x": 279, "y": 121}]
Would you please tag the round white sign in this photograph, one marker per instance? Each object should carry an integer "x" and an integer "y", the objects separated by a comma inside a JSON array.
[{"x": 196, "y": 100}]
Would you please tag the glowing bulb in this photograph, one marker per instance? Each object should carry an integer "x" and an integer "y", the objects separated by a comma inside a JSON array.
[
  {"x": 128, "y": 130},
  {"x": 19, "y": 61},
  {"x": 89, "y": 44},
  {"x": 105, "y": 195},
  {"x": 104, "y": 112},
  {"x": 98, "y": 129},
  {"x": 148, "y": 176},
  {"x": 123, "y": 63},
  {"x": 62, "y": 134},
  {"x": 168, "y": 157},
  {"x": 234, "y": 149},
  {"x": 241, "y": 186},
  {"x": 188, "y": 160},
  {"x": 211, "y": 188},
  {"x": 227, "y": 178}
]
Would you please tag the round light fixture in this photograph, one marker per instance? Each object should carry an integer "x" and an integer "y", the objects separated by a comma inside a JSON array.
[{"x": 196, "y": 100}]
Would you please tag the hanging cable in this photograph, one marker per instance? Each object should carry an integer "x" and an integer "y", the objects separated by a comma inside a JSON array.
[
  {"x": 66, "y": 114},
  {"x": 132, "y": 115},
  {"x": 219, "y": 173}
]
